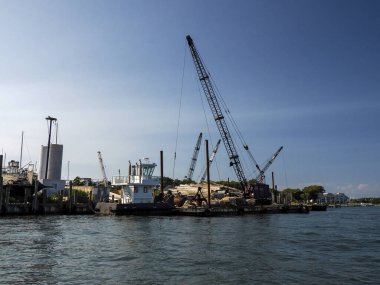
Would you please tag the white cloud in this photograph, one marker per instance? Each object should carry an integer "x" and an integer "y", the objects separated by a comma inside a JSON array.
[
  {"x": 360, "y": 190},
  {"x": 363, "y": 187}
]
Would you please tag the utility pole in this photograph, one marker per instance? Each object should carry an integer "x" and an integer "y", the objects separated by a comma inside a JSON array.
[
  {"x": 1, "y": 184},
  {"x": 50, "y": 119},
  {"x": 22, "y": 144},
  {"x": 68, "y": 170},
  {"x": 162, "y": 172}
]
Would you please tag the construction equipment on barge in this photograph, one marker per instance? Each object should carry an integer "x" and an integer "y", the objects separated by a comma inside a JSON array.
[{"x": 258, "y": 190}]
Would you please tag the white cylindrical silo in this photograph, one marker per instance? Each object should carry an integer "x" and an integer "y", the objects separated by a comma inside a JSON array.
[
  {"x": 42, "y": 166},
  {"x": 55, "y": 161}
]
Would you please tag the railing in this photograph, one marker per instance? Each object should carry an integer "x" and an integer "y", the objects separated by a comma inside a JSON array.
[{"x": 117, "y": 180}]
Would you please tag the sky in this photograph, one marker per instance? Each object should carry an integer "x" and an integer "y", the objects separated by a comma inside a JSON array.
[{"x": 119, "y": 77}]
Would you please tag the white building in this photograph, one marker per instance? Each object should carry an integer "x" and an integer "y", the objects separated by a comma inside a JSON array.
[
  {"x": 329, "y": 198},
  {"x": 341, "y": 198}
]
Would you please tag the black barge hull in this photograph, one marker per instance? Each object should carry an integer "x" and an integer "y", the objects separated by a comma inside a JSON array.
[{"x": 141, "y": 209}]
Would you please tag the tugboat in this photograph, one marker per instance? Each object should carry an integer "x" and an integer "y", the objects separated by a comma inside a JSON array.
[{"x": 137, "y": 193}]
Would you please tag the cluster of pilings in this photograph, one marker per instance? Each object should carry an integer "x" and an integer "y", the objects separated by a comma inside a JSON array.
[{"x": 23, "y": 198}]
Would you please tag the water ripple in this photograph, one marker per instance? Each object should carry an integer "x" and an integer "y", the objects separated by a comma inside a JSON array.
[{"x": 334, "y": 247}]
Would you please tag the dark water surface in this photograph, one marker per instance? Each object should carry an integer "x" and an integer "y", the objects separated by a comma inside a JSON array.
[{"x": 339, "y": 246}]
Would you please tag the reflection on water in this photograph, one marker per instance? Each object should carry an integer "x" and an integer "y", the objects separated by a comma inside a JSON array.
[
  {"x": 330, "y": 247},
  {"x": 28, "y": 247}
]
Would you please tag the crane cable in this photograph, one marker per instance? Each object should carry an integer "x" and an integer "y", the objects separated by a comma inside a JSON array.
[
  {"x": 207, "y": 123},
  {"x": 229, "y": 117},
  {"x": 179, "y": 111},
  {"x": 204, "y": 113},
  {"x": 235, "y": 127}
]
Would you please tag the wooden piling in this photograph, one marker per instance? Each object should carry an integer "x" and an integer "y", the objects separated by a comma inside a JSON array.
[
  {"x": 34, "y": 204},
  {"x": 1, "y": 194},
  {"x": 70, "y": 197},
  {"x": 7, "y": 193},
  {"x": 162, "y": 171},
  {"x": 26, "y": 197},
  {"x": 1, "y": 184},
  {"x": 74, "y": 198},
  {"x": 44, "y": 200},
  {"x": 208, "y": 175}
]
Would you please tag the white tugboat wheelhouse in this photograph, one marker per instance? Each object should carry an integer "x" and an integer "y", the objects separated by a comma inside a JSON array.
[{"x": 139, "y": 185}]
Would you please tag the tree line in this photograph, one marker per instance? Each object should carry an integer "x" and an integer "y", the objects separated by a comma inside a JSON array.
[{"x": 307, "y": 193}]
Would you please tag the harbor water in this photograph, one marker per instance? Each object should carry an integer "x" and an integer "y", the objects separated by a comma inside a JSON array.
[{"x": 339, "y": 246}]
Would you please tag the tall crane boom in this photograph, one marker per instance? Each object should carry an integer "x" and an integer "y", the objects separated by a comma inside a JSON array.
[
  {"x": 102, "y": 169},
  {"x": 212, "y": 156},
  {"x": 194, "y": 158},
  {"x": 218, "y": 114},
  {"x": 261, "y": 176}
]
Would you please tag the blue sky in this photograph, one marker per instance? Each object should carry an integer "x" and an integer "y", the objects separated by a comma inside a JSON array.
[{"x": 302, "y": 74}]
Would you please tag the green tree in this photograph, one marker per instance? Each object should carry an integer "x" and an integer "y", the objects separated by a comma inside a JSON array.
[
  {"x": 296, "y": 194},
  {"x": 81, "y": 196},
  {"x": 77, "y": 181},
  {"x": 312, "y": 192}
]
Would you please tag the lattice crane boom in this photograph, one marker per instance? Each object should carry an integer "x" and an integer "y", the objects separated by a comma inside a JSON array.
[
  {"x": 194, "y": 158},
  {"x": 218, "y": 114},
  {"x": 212, "y": 156},
  {"x": 102, "y": 168},
  {"x": 261, "y": 176}
]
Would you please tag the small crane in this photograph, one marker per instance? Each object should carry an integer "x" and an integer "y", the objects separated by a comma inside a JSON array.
[
  {"x": 105, "y": 181},
  {"x": 212, "y": 156},
  {"x": 194, "y": 158},
  {"x": 261, "y": 177}
]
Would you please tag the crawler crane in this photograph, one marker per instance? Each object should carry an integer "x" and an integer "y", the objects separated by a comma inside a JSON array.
[{"x": 260, "y": 191}]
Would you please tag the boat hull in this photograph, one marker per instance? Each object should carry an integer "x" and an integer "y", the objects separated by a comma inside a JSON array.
[{"x": 139, "y": 209}]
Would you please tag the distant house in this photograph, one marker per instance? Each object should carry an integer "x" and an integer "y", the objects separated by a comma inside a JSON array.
[
  {"x": 326, "y": 198},
  {"x": 330, "y": 198},
  {"x": 341, "y": 198}
]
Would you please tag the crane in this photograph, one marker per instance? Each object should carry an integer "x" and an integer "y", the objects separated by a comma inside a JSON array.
[
  {"x": 212, "y": 156},
  {"x": 194, "y": 158},
  {"x": 218, "y": 114},
  {"x": 261, "y": 177},
  {"x": 105, "y": 181}
]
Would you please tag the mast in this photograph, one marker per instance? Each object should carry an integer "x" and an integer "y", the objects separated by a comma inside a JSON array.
[{"x": 50, "y": 119}]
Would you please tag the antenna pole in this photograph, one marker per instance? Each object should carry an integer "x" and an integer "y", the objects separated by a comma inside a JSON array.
[
  {"x": 50, "y": 119},
  {"x": 68, "y": 170}
]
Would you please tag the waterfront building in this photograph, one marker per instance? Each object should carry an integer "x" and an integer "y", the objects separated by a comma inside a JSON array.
[
  {"x": 330, "y": 198},
  {"x": 341, "y": 198}
]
